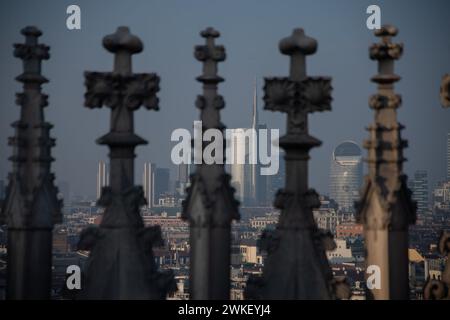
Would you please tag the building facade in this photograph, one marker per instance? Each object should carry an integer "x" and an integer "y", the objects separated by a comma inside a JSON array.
[
  {"x": 346, "y": 175},
  {"x": 161, "y": 183},
  {"x": 420, "y": 190},
  {"x": 102, "y": 177},
  {"x": 441, "y": 196},
  {"x": 148, "y": 183},
  {"x": 251, "y": 187}
]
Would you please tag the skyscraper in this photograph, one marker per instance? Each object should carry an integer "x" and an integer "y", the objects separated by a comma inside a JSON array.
[
  {"x": 239, "y": 176},
  {"x": 258, "y": 182},
  {"x": 246, "y": 178},
  {"x": 183, "y": 173},
  {"x": 148, "y": 183},
  {"x": 64, "y": 191},
  {"x": 420, "y": 190},
  {"x": 346, "y": 175},
  {"x": 183, "y": 178},
  {"x": 102, "y": 177},
  {"x": 161, "y": 182}
]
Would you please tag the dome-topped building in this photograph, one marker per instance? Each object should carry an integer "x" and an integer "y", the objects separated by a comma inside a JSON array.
[{"x": 346, "y": 174}]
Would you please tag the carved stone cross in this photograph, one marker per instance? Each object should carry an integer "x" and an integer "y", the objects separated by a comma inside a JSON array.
[
  {"x": 123, "y": 92},
  {"x": 298, "y": 95},
  {"x": 210, "y": 102},
  {"x": 296, "y": 265},
  {"x": 121, "y": 264}
]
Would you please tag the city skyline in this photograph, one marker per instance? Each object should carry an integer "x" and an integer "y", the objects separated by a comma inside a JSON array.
[
  {"x": 358, "y": 207},
  {"x": 76, "y": 129},
  {"x": 181, "y": 171}
]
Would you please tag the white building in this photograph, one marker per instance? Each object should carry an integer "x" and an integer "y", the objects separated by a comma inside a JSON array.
[
  {"x": 148, "y": 183},
  {"x": 346, "y": 175},
  {"x": 341, "y": 252},
  {"x": 102, "y": 177}
]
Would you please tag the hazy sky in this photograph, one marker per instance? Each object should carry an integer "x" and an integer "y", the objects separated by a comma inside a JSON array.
[{"x": 250, "y": 31}]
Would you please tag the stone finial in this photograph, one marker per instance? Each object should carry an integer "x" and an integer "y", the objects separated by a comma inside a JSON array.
[
  {"x": 32, "y": 206},
  {"x": 296, "y": 266},
  {"x": 386, "y": 49},
  {"x": 123, "y": 40},
  {"x": 298, "y": 42},
  {"x": 115, "y": 271}
]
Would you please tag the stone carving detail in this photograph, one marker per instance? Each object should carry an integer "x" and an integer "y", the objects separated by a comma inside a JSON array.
[
  {"x": 113, "y": 90},
  {"x": 296, "y": 266},
  {"x": 121, "y": 264}
]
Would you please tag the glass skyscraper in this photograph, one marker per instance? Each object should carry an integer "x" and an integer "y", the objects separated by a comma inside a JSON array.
[
  {"x": 102, "y": 177},
  {"x": 346, "y": 175},
  {"x": 420, "y": 190},
  {"x": 250, "y": 185},
  {"x": 148, "y": 183}
]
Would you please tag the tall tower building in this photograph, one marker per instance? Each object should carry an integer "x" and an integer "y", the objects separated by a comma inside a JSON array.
[
  {"x": 64, "y": 191},
  {"x": 148, "y": 183},
  {"x": 239, "y": 176},
  {"x": 258, "y": 182},
  {"x": 183, "y": 179},
  {"x": 262, "y": 198},
  {"x": 254, "y": 172},
  {"x": 346, "y": 174},
  {"x": 162, "y": 177},
  {"x": 102, "y": 177},
  {"x": 420, "y": 190},
  {"x": 183, "y": 173},
  {"x": 250, "y": 185}
]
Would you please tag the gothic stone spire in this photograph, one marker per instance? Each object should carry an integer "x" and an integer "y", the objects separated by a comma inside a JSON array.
[
  {"x": 31, "y": 207},
  {"x": 296, "y": 265},
  {"x": 121, "y": 264},
  {"x": 210, "y": 205},
  {"x": 386, "y": 208}
]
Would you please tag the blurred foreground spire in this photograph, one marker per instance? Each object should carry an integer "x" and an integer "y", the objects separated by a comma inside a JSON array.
[
  {"x": 296, "y": 266},
  {"x": 210, "y": 205},
  {"x": 386, "y": 209},
  {"x": 31, "y": 207},
  {"x": 121, "y": 264}
]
